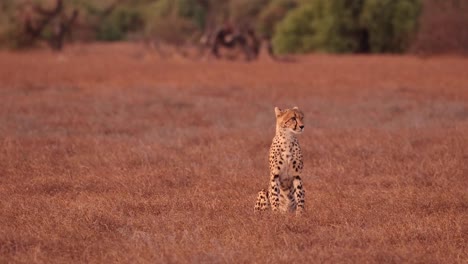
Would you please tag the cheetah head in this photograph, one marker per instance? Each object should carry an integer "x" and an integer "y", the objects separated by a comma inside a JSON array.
[{"x": 290, "y": 119}]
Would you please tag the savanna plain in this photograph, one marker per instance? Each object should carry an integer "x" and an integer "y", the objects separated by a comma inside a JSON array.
[{"x": 111, "y": 154}]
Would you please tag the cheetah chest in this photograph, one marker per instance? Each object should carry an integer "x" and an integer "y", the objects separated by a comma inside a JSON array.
[{"x": 292, "y": 159}]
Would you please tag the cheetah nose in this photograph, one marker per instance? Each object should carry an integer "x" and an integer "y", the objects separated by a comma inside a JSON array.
[{"x": 302, "y": 127}]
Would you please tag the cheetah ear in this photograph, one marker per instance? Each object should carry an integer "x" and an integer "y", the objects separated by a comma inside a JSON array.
[
  {"x": 277, "y": 111},
  {"x": 296, "y": 108}
]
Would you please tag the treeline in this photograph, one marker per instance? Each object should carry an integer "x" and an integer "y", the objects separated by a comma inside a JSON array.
[{"x": 292, "y": 26}]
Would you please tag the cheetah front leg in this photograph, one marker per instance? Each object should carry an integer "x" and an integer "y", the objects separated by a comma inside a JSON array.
[
  {"x": 299, "y": 194},
  {"x": 262, "y": 203},
  {"x": 274, "y": 192}
]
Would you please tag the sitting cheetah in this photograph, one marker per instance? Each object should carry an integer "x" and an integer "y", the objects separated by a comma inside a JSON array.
[{"x": 285, "y": 193}]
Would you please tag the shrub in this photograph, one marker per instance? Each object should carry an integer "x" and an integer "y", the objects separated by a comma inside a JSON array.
[
  {"x": 338, "y": 28},
  {"x": 192, "y": 10},
  {"x": 272, "y": 14},
  {"x": 321, "y": 25},
  {"x": 173, "y": 21},
  {"x": 245, "y": 12},
  {"x": 9, "y": 26},
  {"x": 296, "y": 33},
  {"x": 295, "y": 26},
  {"x": 348, "y": 26},
  {"x": 390, "y": 23},
  {"x": 120, "y": 22}
]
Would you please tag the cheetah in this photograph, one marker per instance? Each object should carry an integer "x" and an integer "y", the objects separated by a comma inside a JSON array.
[{"x": 286, "y": 192}]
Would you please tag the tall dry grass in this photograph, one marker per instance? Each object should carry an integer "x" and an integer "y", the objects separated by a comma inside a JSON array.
[{"x": 108, "y": 154}]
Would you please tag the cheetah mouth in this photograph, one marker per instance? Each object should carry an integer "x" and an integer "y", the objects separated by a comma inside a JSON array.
[{"x": 298, "y": 131}]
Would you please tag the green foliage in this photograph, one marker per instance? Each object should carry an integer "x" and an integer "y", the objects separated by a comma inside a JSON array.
[
  {"x": 273, "y": 13},
  {"x": 323, "y": 25},
  {"x": 120, "y": 22},
  {"x": 337, "y": 25},
  {"x": 295, "y": 26},
  {"x": 9, "y": 25},
  {"x": 296, "y": 33},
  {"x": 4, "y": 26},
  {"x": 390, "y": 23},
  {"x": 192, "y": 10},
  {"x": 245, "y": 12},
  {"x": 173, "y": 21},
  {"x": 348, "y": 26}
]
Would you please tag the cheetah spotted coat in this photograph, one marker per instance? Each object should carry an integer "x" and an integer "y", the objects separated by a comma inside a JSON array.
[{"x": 285, "y": 192}]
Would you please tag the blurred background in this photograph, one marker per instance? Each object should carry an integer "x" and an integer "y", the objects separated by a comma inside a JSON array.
[{"x": 279, "y": 26}]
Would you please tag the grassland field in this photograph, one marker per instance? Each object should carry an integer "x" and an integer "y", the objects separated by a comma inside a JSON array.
[{"x": 111, "y": 154}]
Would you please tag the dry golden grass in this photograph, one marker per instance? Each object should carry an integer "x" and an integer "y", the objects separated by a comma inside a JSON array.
[{"x": 108, "y": 154}]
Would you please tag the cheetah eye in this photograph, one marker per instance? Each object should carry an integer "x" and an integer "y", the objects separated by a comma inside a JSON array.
[{"x": 293, "y": 118}]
